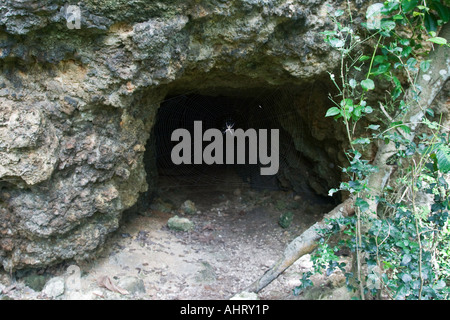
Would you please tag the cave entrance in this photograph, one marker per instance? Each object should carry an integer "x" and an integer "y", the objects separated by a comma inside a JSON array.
[
  {"x": 271, "y": 126},
  {"x": 243, "y": 128},
  {"x": 231, "y": 222}
]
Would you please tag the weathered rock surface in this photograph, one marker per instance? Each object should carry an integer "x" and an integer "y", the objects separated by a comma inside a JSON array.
[
  {"x": 77, "y": 106},
  {"x": 54, "y": 287},
  {"x": 180, "y": 224},
  {"x": 188, "y": 207}
]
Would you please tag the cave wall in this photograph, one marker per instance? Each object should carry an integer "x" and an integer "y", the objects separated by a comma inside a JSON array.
[{"x": 78, "y": 105}]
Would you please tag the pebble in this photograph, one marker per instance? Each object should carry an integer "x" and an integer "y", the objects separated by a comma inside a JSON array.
[
  {"x": 54, "y": 287},
  {"x": 188, "y": 207},
  {"x": 180, "y": 224}
]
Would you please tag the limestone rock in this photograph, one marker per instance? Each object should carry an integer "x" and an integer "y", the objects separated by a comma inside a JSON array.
[
  {"x": 180, "y": 224},
  {"x": 188, "y": 207},
  {"x": 54, "y": 287},
  {"x": 285, "y": 219}
]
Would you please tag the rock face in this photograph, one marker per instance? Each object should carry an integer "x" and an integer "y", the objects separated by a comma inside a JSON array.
[{"x": 77, "y": 106}]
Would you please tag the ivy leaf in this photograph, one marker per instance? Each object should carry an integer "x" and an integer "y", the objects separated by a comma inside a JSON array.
[
  {"x": 443, "y": 158},
  {"x": 390, "y": 6},
  {"x": 373, "y": 16},
  {"x": 329, "y": 33},
  {"x": 368, "y": 109},
  {"x": 337, "y": 43},
  {"x": 388, "y": 25},
  {"x": 362, "y": 204},
  {"x": 406, "y": 259},
  {"x": 379, "y": 59},
  {"x": 357, "y": 112},
  {"x": 411, "y": 63},
  {"x": 373, "y": 10},
  {"x": 440, "y": 284},
  {"x": 347, "y": 103},
  {"x": 408, "y": 5},
  {"x": 404, "y": 42},
  {"x": 333, "y": 111},
  {"x": 364, "y": 58},
  {"x": 338, "y": 13},
  {"x": 401, "y": 293},
  {"x": 332, "y": 191},
  {"x": 415, "y": 285},
  {"x": 382, "y": 68},
  {"x": 407, "y": 51},
  {"x": 430, "y": 22},
  {"x": 406, "y": 278},
  {"x": 368, "y": 84},
  {"x": 405, "y": 128},
  {"x": 438, "y": 40},
  {"x": 425, "y": 65},
  {"x": 361, "y": 141},
  {"x": 442, "y": 10}
]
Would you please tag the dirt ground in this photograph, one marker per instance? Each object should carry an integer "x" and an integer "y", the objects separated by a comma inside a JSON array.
[{"x": 236, "y": 237}]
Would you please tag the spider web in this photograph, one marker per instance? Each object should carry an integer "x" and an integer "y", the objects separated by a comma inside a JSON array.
[{"x": 258, "y": 111}]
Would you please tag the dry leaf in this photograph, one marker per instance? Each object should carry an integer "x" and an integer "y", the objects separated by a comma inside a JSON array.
[{"x": 106, "y": 282}]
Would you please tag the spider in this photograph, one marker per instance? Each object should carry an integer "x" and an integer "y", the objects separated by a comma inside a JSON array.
[{"x": 229, "y": 127}]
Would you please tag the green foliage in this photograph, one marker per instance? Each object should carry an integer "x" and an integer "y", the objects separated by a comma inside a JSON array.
[
  {"x": 406, "y": 248},
  {"x": 438, "y": 40},
  {"x": 368, "y": 84},
  {"x": 442, "y": 157},
  {"x": 285, "y": 219}
]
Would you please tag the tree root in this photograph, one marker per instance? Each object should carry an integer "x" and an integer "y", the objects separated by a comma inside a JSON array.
[{"x": 303, "y": 244}]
